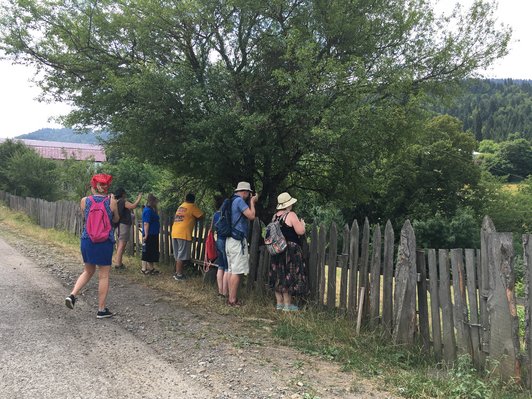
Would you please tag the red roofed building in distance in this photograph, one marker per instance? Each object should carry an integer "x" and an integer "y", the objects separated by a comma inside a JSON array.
[{"x": 60, "y": 151}]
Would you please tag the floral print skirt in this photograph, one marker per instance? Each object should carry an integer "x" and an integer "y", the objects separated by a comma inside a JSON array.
[{"x": 288, "y": 271}]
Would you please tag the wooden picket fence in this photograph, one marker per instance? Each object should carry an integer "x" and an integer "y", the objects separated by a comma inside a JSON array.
[{"x": 449, "y": 302}]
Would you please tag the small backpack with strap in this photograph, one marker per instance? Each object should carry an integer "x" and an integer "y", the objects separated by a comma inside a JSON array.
[
  {"x": 98, "y": 225},
  {"x": 225, "y": 226},
  {"x": 274, "y": 240}
]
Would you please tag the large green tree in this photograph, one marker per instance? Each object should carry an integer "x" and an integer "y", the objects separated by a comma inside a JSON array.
[{"x": 297, "y": 94}]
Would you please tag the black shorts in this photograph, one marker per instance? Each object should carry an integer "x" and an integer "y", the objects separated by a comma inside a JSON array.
[{"x": 151, "y": 252}]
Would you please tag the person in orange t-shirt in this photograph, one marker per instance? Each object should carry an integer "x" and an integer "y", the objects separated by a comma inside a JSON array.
[{"x": 184, "y": 221}]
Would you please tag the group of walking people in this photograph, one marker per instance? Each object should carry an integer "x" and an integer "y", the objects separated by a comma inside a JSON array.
[{"x": 104, "y": 213}]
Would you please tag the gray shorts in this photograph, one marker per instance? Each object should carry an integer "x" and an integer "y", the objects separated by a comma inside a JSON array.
[
  {"x": 124, "y": 232},
  {"x": 181, "y": 249}
]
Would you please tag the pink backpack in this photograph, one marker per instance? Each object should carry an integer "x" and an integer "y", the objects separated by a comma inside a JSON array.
[{"x": 98, "y": 225}]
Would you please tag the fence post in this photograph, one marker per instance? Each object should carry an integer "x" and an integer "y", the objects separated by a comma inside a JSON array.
[
  {"x": 313, "y": 282},
  {"x": 375, "y": 283},
  {"x": 504, "y": 323},
  {"x": 321, "y": 264},
  {"x": 405, "y": 288},
  {"x": 364, "y": 276},
  {"x": 487, "y": 228},
  {"x": 344, "y": 268},
  {"x": 253, "y": 254},
  {"x": 435, "y": 304},
  {"x": 353, "y": 269},
  {"x": 461, "y": 318},
  {"x": 423, "y": 305},
  {"x": 331, "y": 263},
  {"x": 449, "y": 340},
  {"x": 387, "y": 278},
  {"x": 527, "y": 259},
  {"x": 473, "y": 305}
]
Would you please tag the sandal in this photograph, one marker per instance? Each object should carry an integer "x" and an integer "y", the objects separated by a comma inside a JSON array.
[
  {"x": 154, "y": 272},
  {"x": 235, "y": 304},
  {"x": 145, "y": 272},
  {"x": 120, "y": 267}
]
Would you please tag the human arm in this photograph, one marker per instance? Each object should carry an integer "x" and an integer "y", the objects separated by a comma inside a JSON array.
[
  {"x": 114, "y": 208},
  {"x": 130, "y": 205},
  {"x": 293, "y": 221},
  {"x": 82, "y": 204},
  {"x": 250, "y": 211},
  {"x": 146, "y": 216},
  {"x": 146, "y": 230}
]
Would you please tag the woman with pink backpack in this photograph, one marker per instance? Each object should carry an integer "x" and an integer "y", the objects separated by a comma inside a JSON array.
[{"x": 97, "y": 241}]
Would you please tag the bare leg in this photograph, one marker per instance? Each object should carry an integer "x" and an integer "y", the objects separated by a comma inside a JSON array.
[
  {"x": 225, "y": 287},
  {"x": 287, "y": 298},
  {"x": 103, "y": 285},
  {"x": 234, "y": 281},
  {"x": 279, "y": 298},
  {"x": 220, "y": 280},
  {"x": 84, "y": 278},
  {"x": 179, "y": 267},
  {"x": 120, "y": 248},
  {"x": 143, "y": 267}
]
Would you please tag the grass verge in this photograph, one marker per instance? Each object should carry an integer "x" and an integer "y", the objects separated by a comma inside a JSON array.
[{"x": 403, "y": 371}]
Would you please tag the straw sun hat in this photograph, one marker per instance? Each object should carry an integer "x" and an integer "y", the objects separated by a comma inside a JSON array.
[{"x": 284, "y": 200}]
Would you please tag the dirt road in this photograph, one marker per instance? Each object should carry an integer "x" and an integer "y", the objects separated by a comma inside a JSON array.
[{"x": 153, "y": 348}]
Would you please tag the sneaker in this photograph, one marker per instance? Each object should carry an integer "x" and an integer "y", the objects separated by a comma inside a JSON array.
[
  {"x": 291, "y": 308},
  {"x": 70, "y": 301},
  {"x": 103, "y": 314},
  {"x": 179, "y": 277},
  {"x": 279, "y": 306}
]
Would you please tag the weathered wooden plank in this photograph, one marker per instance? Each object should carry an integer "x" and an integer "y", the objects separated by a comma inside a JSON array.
[
  {"x": 435, "y": 305},
  {"x": 527, "y": 260},
  {"x": 364, "y": 268},
  {"x": 344, "y": 268},
  {"x": 353, "y": 268},
  {"x": 375, "y": 278},
  {"x": 474, "y": 320},
  {"x": 313, "y": 264},
  {"x": 461, "y": 319},
  {"x": 321, "y": 263},
  {"x": 405, "y": 288},
  {"x": 449, "y": 341},
  {"x": 487, "y": 228},
  {"x": 264, "y": 264},
  {"x": 331, "y": 263},
  {"x": 504, "y": 323},
  {"x": 360, "y": 307},
  {"x": 422, "y": 300},
  {"x": 387, "y": 278},
  {"x": 254, "y": 254}
]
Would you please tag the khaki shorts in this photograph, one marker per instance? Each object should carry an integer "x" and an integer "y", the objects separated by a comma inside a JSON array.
[
  {"x": 124, "y": 232},
  {"x": 237, "y": 256}
]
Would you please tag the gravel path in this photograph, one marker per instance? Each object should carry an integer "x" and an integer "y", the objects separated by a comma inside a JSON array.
[{"x": 155, "y": 347}]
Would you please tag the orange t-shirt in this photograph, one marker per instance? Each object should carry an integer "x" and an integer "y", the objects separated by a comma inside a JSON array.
[{"x": 184, "y": 221}]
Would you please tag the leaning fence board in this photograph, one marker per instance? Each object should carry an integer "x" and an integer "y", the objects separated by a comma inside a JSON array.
[
  {"x": 449, "y": 342},
  {"x": 504, "y": 323},
  {"x": 405, "y": 288},
  {"x": 344, "y": 268},
  {"x": 473, "y": 304},
  {"x": 375, "y": 282},
  {"x": 422, "y": 300},
  {"x": 353, "y": 268},
  {"x": 487, "y": 228},
  {"x": 435, "y": 304},
  {"x": 460, "y": 312},
  {"x": 387, "y": 278},
  {"x": 331, "y": 263},
  {"x": 364, "y": 276},
  {"x": 527, "y": 260}
]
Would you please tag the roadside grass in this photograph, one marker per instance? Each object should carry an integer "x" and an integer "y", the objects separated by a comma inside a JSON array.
[{"x": 406, "y": 372}]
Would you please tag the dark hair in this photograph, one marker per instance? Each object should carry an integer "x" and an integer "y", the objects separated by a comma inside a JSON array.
[
  {"x": 218, "y": 201},
  {"x": 152, "y": 201},
  {"x": 120, "y": 192},
  {"x": 191, "y": 198}
]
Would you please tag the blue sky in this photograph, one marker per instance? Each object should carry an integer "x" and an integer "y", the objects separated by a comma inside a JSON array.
[{"x": 22, "y": 113}]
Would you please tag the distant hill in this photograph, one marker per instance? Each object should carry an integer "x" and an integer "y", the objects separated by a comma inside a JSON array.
[{"x": 64, "y": 135}]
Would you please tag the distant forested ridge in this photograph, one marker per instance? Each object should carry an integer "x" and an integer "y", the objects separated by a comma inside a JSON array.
[
  {"x": 494, "y": 109},
  {"x": 64, "y": 135}
]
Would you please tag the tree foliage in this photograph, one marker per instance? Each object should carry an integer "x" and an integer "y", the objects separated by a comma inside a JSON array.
[{"x": 297, "y": 94}]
